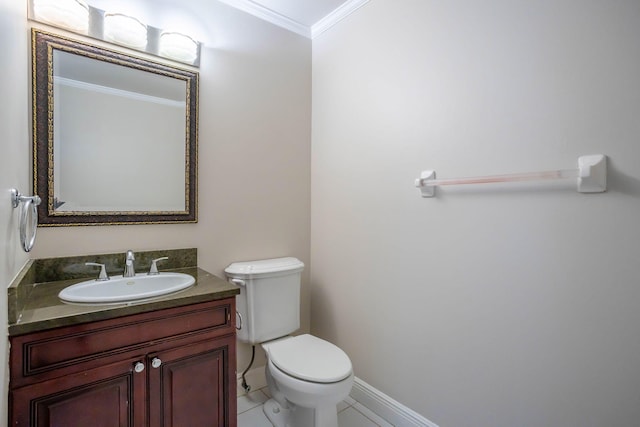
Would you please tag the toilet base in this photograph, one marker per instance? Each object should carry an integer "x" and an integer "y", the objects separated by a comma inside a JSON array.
[
  {"x": 275, "y": 413},
  {"x": 298, "y": 416}
]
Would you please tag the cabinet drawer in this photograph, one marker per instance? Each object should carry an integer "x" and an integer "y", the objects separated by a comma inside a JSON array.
[{"x": 42, "y": 352}]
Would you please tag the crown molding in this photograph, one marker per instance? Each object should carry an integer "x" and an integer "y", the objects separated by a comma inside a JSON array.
[
  {"x": 336, "y": 16},
  {"x": 269, "y": 15},
  {"x": 280, "y": 20}
]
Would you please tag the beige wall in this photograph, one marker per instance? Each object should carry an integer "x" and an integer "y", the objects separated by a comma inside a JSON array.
[
  {"x": 484, "y": 307},
  {"x": 14, "y": 161},
  {"x": 254, "y": 150}
]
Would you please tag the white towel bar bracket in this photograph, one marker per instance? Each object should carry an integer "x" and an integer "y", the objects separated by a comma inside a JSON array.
[{"x": 590, "y": 175}]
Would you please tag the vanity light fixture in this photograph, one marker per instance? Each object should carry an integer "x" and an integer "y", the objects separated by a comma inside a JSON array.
[
  {"x": 125, "y": 30},
  {"x": 80, "y": 17},
  {"x": 178, "y": 46},
  {"x": 69, "y": 14}
]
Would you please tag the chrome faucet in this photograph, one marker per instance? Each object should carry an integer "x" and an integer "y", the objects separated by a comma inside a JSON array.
[{"x": 129, "y": 270}]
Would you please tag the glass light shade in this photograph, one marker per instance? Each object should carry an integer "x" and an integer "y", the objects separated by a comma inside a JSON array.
[
  {"x": 178, "y": 46},
  {"x": 71, "y": 14},
  {"x": 125, "y": 30}
]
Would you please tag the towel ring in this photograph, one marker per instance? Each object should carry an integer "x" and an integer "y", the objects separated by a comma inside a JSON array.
[{"x": 29, "y": 207}]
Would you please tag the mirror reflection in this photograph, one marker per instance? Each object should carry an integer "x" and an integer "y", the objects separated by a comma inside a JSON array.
[
  {"x": 115, "y": 136},
  {"x": 126, "y": 152}
]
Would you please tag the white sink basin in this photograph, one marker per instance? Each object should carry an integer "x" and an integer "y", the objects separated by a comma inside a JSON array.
[{"x": 124, "y": 289}]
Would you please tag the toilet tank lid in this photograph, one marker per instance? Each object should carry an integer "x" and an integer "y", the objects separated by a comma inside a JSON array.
[{"x": 265, "y": 266}]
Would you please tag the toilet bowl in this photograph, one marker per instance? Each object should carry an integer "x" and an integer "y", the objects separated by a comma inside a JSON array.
[{"x": 307, "y": 377}]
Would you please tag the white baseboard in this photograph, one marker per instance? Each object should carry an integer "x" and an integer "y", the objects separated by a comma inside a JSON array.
[
  {"x": 378, "y": 402},
  {"x": 387, "y": 408}
]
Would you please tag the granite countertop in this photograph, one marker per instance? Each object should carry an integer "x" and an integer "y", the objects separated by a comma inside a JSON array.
[{"x": 39, "y": 308}]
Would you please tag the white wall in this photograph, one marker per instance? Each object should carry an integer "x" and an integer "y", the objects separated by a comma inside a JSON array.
[
  {"x": 14, "y": 161},
  {"x": 254, "y": 149},
  {"x": 487, "y": 307}
]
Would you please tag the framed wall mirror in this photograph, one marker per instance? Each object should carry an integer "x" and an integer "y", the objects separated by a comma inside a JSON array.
[{"x": 115, "y": 136}]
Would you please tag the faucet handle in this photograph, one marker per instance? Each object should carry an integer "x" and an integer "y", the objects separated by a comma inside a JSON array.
[
  {"x": 154, "y": 267},
  {"x": 103, "y": 272}
]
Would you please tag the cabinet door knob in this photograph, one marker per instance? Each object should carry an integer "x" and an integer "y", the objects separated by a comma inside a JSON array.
[
  {"x": 138, "y": 367},
  {"x": 156, "y": 362}
]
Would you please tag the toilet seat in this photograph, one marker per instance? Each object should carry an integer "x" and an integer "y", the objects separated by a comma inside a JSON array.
[{"x": 310, "y": 358}]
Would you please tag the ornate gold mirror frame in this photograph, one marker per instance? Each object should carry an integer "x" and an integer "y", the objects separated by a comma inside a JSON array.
[{"x": 53, "y": 212}]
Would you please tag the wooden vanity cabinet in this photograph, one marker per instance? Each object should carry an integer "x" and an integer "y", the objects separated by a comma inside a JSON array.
[{"x": 174, "y": 367}]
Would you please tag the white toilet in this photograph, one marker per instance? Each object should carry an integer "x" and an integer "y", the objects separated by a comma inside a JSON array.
[{"x": 307, "y": 376}]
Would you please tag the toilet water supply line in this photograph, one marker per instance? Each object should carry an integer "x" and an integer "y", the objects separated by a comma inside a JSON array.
[
  {"x": 245, "y": 386},
  {"x": 29, "y": 208}
]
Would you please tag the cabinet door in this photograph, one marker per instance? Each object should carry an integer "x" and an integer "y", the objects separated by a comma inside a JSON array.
[
  {"x": 110, "y": 396},
  {"x": 194, "y": 385}
]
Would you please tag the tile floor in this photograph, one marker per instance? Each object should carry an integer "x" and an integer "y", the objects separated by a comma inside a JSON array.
[{"x": 350, "y": 412}]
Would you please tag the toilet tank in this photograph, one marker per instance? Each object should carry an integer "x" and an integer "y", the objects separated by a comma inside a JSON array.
[{"x": 269, "y": 299}]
